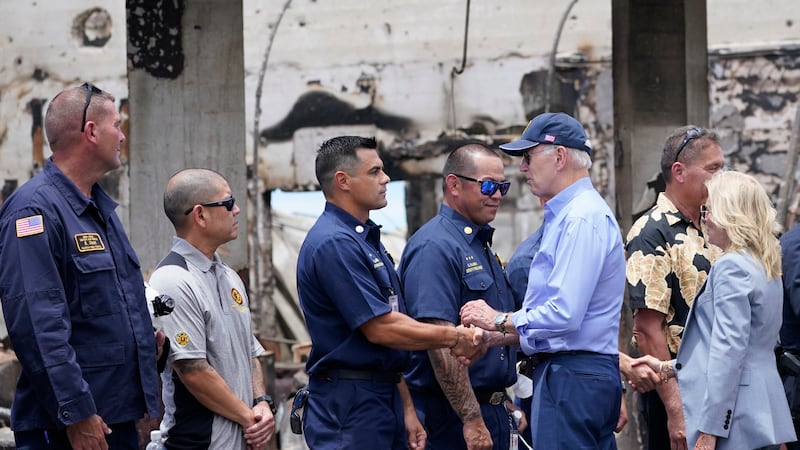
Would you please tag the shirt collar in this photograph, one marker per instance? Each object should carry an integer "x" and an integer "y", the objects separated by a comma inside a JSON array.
[
  {"x": 555, "y": 205},
  {"x": 74, "y": 197},
  {"x": 192, "y": 255},
  {"x": 369, "y": 231},
  {"x": 468, "y": 230},
  {"x": 669, "y": 208}
]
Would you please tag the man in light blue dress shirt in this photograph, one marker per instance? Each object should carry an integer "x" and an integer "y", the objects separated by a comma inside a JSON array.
[{"x": 569, "y": 321}]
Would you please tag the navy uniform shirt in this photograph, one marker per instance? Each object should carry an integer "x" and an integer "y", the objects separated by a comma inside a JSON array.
[
  {"x": 345, "y": 277},
  {"x": 74, "y": 303},
  {"x": 444, "y": 265},
  {"x": 519, "y": 266},
  {"x": 790, "y": 248}
]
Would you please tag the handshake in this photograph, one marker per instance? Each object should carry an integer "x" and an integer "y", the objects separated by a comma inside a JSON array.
[{"x": 469, "y": 346}]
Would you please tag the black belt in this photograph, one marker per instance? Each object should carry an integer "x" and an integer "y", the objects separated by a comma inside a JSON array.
[
  {"x": 538, "y": 358},
  {"x": 358, "y": 375},
  {"x": 490, "y": 397}
]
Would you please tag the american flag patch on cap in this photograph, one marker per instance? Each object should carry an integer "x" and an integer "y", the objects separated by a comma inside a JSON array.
[
  {"x": 549, "y": 138},
  {"x": 28, "y": 226}
]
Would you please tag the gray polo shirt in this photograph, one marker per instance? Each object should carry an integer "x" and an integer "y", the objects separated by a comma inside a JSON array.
[{"x": 211, "y": 321}]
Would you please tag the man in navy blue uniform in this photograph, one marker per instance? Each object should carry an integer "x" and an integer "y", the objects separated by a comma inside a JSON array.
[
  {"x": 72, "y": 291},
  {"x": 445, "y": 264},
  {"x": 355, "y": 312}
]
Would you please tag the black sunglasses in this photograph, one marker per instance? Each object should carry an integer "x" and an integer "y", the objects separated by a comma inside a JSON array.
[
  {"x": 489, "y": 187},
  {"x": 227, "y": 203},
  {"x": 90, "y": 89},
  {"x": 693, "y": 133}
]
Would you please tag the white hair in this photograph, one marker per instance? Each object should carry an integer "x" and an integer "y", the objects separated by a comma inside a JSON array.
[{"x": 580, "y": 158}]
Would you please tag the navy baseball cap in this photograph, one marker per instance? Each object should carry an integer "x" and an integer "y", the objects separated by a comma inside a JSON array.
[{"x": 550, "y": 128}]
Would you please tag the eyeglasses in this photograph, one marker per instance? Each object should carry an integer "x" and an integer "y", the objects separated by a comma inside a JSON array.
[
  {"x": 227, "y": 203},
  {"x": 489, "y": 187},
  {"x": 704, "y": 212},
  {"x": 90, "y": 89},
  {"x": 527, "y": 155},
  {"x": 693, "y": 133}
]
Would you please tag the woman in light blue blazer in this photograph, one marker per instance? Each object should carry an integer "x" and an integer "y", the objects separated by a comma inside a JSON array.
[{"x": 732, "y": 395}]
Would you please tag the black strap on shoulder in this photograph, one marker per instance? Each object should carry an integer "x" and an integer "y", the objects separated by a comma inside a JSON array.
[{"x": 173, "y": 259}]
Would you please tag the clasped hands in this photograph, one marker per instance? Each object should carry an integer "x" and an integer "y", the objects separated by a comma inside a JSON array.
[
  {"x": 469, "y": 346},
  {"x": 467, "y": 355}
]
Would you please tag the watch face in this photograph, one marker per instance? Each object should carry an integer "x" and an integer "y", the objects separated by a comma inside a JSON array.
[{"x": 499, "y": 320}]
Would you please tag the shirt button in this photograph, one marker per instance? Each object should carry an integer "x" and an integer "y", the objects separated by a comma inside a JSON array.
[
  {"x": 483, "y": 284},
  {"x": 66, "y": 414},
  {"x": 678, "y": 366}
]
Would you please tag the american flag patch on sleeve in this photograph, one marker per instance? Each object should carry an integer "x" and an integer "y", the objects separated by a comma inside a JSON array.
[{"x": 28, "y": 226}]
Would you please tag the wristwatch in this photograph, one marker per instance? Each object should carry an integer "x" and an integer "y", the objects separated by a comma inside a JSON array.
[
  {"x": 500, "y": 322},
  {"x": 268, "y": 399}
]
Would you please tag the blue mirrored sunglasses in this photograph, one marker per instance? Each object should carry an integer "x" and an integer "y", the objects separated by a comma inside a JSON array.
[{"x": 489, "y": 187}]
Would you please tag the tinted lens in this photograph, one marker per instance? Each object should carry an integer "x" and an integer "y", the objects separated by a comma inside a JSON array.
[
  {"x": 504, "y": 187},
  {"x": 489, "y": 187},
  {"x": 228, "y": 204},
  {"x": 693, "y": 133}
]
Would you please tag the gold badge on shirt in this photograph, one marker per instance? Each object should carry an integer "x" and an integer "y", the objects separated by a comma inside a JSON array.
[
  {"x": 236, "y": 296},
  {"x": 89, "y": 242},
  {"x": 238, "y": 300},
  {"x": 182, "y": 339}
]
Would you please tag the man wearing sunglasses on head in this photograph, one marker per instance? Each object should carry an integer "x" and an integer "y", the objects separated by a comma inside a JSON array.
[
  {"x": 668, "y": 260},
  {"x": 72, "y": 291},
  {"x": 213, "y": 388},
  {"x": 445, "y": 264}
]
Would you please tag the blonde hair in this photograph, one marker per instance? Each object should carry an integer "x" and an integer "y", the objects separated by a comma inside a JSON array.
[{"x": 741, "y": 206}]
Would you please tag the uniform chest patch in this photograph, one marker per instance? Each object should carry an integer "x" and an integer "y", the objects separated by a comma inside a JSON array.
[
  {"x": 182, "y": 338},
  {"x": 236, "y": 296},
  {"x": 28, "y": 226},
  {"x": 89, "y": 242},
  {"x": 473, "y": 264}
]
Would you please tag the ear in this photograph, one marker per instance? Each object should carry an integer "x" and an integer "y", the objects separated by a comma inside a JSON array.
[
  {"x": 562, "y": 154},
  {"x": 341, "y": 180},
  {"x": 678, "y": 172},
  {"x": 200, "y": 217},
  {"x": 452, "y": 184},
  {"x": 89, "y": 131}
]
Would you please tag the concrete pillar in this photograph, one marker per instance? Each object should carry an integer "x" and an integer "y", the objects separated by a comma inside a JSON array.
[
  {"x": 660, "y": 83},
  {"x": 186, "y": 83}
]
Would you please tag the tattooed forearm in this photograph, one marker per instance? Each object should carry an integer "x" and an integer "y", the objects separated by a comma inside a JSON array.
[
  {"x": 454, "y": 380},
  {"x": 185, "y": 366}
]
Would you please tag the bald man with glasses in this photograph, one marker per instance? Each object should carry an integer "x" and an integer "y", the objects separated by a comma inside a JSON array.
[
  {"x": 213, "y": 388},
  {"x": 447, "y": 263}
]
